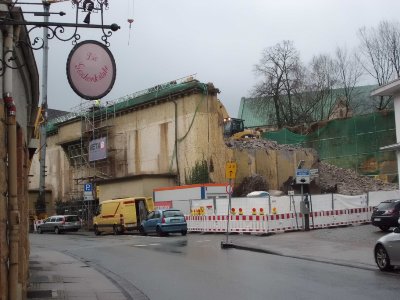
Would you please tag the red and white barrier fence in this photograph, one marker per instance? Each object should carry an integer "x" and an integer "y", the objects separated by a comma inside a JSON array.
[
  {"x": 278, "y": 222},
  {"x": 36, "y": 223}
]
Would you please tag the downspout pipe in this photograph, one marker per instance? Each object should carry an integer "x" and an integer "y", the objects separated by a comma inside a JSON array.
[
  {"x": 3, "y": 194},
  {"x": 176, "y": 143},
  {"x": 14, "y": 287}
]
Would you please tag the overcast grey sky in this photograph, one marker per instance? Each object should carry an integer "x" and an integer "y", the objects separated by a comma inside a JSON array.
[{"x": 219, "y": 40}]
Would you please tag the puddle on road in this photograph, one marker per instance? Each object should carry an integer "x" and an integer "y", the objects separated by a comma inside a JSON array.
[{"x": 177, "y": 247}]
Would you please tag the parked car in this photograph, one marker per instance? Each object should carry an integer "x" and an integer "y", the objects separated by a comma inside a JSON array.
[
  {"x": 163, "y": 222},
  {"x": 387, "y": 250},
  {"x": 386, "y": 214},
  {"x": 60, "y": 224}
]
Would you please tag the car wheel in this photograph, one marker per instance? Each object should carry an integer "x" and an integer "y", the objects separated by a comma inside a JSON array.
[
  {"x": 39, "y": 230},
  {"x": 184, "y": 232},
  {"x": 382, "y": 258},
  {"x": 56, "y": 230},
  {"x": 96, "y": 230},
  {"x": 159, "y": 231},
  {"x": 384, "y": 228},
  {"x": 142, "y": 230}
]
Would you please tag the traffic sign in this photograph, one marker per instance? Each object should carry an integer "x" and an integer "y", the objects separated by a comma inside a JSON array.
[
  {"x": 230, "y": 170},
  {"x": 88, "y": 187},
  {"x": 303, "y": 176},
  {"x": 229, "y": 189}
]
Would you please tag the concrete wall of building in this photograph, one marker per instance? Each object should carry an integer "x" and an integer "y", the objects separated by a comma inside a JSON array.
[
  {"x": 142, "y": 142},
  {"x": 130, "y": 187},
  {"x": 276, "y": 166}
]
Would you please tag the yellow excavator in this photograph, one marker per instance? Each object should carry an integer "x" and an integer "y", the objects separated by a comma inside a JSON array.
[{"x": 234, "y": 129}]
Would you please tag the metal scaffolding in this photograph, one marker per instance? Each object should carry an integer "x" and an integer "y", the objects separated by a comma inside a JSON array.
[{"x": 96, "y": 122}]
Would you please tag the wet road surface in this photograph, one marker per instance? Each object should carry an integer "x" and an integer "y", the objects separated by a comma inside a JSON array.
[{"x": 195, "y": 267}]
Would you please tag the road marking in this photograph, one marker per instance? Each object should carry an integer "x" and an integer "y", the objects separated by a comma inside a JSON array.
[
  {"x": 203, "y": 241},
  {"x": 156, "y": 244},
  {"x": 139, "y": 245}
]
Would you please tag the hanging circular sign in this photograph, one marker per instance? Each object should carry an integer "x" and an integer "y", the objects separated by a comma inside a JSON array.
[{"x": 91, "y": 70}]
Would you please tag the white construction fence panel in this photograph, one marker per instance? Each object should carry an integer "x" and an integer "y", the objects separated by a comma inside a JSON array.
[{"x": 374, "y": 198}]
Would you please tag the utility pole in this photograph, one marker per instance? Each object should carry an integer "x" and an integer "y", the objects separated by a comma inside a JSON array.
[{"x": 41, "y": 201}]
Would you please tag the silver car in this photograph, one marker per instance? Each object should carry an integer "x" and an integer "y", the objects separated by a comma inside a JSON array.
[
  {"x": 387, "y": 250},
  {"x": 60, "y": 224}
]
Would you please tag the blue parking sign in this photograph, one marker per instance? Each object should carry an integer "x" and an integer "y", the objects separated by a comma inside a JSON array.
[{"x": 88, "y": 187}]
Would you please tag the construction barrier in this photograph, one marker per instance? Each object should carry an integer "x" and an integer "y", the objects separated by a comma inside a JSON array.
[
  {"x": 36, "y": 223},
  {"x": 278, "y": 222}
]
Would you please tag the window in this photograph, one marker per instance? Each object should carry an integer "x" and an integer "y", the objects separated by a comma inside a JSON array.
[
  {"x": 52, "y": 219},
  {"x": 150, "y": 215},
  {"x": 386, "y": 205},
  {"x": 71, "y": 219},
  {"x": 157, "y": 215},
  {"x": 173, "y": 213},
  {"x": 60, "y": 219}
]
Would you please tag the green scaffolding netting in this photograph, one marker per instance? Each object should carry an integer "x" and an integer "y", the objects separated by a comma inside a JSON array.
[
  {"x": 352, "y": 143},
  {"x": 140, "y": 98}
]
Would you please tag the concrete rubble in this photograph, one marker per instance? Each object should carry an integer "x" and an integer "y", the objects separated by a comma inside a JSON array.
[
  {"x": 259, "y": 144},
  {"x": 348, "y": 182},
  {"x": 331, "y": 179}
]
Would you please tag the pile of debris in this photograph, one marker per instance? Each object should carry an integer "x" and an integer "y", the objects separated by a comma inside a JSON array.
[
  {"x": 259, "y": 144},
  {"x": 348, "y": 182},
  {"x": 331, "y": 179},
  {"x": 249, "y": 184}
]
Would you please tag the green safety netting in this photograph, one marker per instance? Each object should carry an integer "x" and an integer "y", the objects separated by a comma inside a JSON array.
[{"x": 350, "y": 143}]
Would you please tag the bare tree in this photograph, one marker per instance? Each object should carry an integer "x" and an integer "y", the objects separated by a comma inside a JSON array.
[
  {"x": 322, "y": 79},
  {"x": 391, "y": 33},
  {"x": 349, "y": 74},
  {"x": 277, "y": 68},
  {"x": 380, "y": 48}
]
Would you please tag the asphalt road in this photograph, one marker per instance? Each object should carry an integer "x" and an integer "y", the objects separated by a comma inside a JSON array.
[{"x": 195, "y": 267}]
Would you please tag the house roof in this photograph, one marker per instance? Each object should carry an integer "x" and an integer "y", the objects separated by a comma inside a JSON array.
[{"x": 387, "y": 90}]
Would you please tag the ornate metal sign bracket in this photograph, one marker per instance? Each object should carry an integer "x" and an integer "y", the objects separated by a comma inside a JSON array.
[{"x": 55, "y": 29}]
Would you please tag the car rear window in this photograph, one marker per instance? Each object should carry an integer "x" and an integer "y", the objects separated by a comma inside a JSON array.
[
  {"x": 172, "y": 213},
  {"x": 71, "y": 219},
  {"x": 386, "y": 205}
]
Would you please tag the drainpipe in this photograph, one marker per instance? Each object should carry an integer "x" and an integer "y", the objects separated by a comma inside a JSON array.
[
  {"x": 14, "y": 287},
  {"x": 3, "y": 193},
  {"x": 176, "y": 142}
]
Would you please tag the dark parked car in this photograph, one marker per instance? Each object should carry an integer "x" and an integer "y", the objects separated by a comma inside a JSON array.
[
  {"x": 386, "y": 214},
  {"x": 387, "y": 250},
  {"x": 60, "y": 224},
  {"x": 164, "y": 221}
]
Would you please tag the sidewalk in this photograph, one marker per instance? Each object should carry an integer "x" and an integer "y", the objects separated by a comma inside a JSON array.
[
  {"x": 311, "y": 245},
  {"x": 54, "y": 275}
]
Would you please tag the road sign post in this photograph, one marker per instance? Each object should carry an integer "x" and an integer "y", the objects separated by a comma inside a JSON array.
[{"x": 230, "y": 173}]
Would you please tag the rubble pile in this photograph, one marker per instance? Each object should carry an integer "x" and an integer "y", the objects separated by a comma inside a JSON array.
[
  {"x": 259, "y": 144},
  {"x": 331, "y": 179},
  {"x": 348, "y": 182},
  {"x": 249, "y": 184}
]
